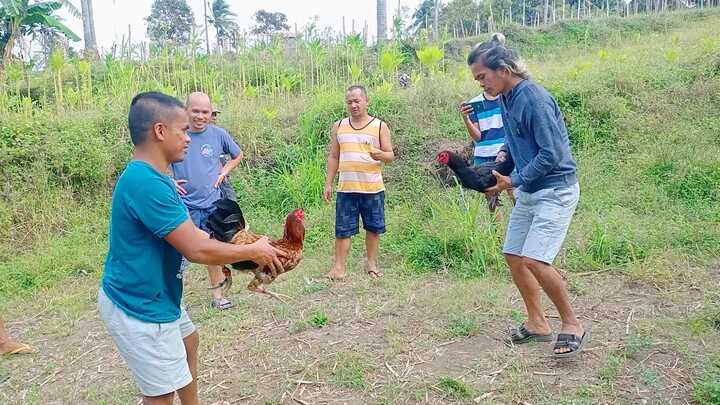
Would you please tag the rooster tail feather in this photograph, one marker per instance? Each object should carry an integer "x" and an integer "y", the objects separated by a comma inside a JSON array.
[
  {"x": 226, "y": 220},
  {"x": 235, "y": 218}
]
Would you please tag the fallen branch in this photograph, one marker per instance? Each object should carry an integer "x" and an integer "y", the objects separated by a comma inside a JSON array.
[
  {"x": 391, "y": 370},
  {"x": 627, "y": 323},
  {"x": 482, "y": 397}
]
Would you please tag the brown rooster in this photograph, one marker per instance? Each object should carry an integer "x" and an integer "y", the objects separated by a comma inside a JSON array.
[{"x": 227, "y": 224}]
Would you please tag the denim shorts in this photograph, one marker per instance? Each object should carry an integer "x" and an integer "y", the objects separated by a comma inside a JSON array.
[
  {"x": 539, "y": 222},
  {"x": 227, "y": 191},
  {"x": 350, "y": 206},
  {"x": 199, "y": 217},
  {"x": 154, "y": 352}
]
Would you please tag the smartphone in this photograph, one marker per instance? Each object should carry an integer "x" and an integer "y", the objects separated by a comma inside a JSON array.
[{"x": 478, "y": 106}]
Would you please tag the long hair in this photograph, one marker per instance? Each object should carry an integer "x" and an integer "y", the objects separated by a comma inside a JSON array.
[{"x": 495, "y": 55}]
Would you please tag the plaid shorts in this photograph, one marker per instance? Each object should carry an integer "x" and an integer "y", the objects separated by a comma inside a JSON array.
[{"x": 350, "y": 206}]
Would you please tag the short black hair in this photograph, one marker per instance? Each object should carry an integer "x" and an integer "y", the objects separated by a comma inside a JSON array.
[
  {"x": 362, "y": 89},
  {"x": 147, "y": 109}
]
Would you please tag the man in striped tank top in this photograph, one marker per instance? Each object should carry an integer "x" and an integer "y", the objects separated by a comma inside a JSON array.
[{"x": 359, "y": 146}]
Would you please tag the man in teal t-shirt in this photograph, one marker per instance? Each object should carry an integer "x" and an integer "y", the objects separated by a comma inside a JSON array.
[{"x": 150, "y": 231}]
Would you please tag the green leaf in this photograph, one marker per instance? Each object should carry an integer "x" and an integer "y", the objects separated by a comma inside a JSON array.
[
  {"x": 50, "y": 21},
  {"x": 14, "y": 8}
]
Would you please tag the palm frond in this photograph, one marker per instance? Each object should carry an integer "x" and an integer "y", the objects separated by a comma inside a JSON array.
[{"x": 71, "y": 8}]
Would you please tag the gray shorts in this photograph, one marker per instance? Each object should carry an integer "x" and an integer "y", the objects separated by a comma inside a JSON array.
[
  {"x": 539, "y": 222},
  {"x": 155, "y": 352}
]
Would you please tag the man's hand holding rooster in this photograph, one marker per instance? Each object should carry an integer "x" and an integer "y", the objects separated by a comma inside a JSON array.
[
  {"x": 503, "y": 183},
  {"x": 268, "y": 255}
]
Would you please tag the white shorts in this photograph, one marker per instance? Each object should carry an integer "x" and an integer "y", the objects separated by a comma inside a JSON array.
[
  {"x": 155, "y": 352},
  {"x": 539, "y": 222}
]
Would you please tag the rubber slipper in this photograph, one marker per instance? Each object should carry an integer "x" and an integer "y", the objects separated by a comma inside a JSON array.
[
  {"x": 521, "y": 335},
  {"x": 221, "y": 303},
  {"x": 374, "y": 274},
  {"x": 19, "y": 350},
  {"x": 572, "y": 342}
]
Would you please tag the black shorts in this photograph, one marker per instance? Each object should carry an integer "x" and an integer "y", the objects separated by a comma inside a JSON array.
[{"x": 350, "y": 206}]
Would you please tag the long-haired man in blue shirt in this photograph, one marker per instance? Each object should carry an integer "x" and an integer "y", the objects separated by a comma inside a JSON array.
[{"x": 546, "y": 192}]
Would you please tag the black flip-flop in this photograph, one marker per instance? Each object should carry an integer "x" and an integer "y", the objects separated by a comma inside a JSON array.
[
  {"x": 521, "y": 330},
  {"x": 572, "y": 342}
]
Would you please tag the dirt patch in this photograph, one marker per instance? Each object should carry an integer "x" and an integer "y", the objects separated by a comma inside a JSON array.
[
  {"x": 438, "y": 170},
  {"x": 368, "y": 353}
]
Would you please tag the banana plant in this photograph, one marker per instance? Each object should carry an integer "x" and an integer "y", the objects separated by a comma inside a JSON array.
[
  {"x": 57, "y": 64},
  {"x": 389, "y": 61},
  {"x": 355, "y": 72},
  {"x": 22, "y": 18},
  {"x": 430, "y": 57},
  {"x": 355, "y": 47},
  {"x": 289, "y": 81}
]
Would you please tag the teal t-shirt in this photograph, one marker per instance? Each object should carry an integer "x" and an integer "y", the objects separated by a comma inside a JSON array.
[{"x": 142, "y": 270}]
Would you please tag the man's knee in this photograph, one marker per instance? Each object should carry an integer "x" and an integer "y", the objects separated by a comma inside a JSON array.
[
  {"x": 166, "y": 399},
  {"x": 513, "y": 260},
  {"x": 535, "y": 266}
]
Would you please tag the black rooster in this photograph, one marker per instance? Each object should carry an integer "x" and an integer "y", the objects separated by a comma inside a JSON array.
[{"x": 477, "y": 177}]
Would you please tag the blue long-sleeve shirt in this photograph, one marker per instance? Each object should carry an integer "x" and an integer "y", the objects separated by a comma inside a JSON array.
[{"x": 536, "y": 139}]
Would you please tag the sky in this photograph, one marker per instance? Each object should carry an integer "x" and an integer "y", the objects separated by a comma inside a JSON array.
[{"x": 112, "y": 17}]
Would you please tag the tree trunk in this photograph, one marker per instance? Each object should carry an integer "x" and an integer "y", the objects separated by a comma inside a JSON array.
[
  {"x": 88, "y": 26},
  {"x": 435, "y": 26},
  {"x": 10, "y": 44},
  {"x": 381, "y": 20}
]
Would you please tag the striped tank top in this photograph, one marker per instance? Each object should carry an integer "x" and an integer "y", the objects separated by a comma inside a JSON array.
[{"x": 359, "y": 172}]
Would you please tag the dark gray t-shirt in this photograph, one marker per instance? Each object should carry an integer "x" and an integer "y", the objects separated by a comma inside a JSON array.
[{"x": 202, "y": 165}]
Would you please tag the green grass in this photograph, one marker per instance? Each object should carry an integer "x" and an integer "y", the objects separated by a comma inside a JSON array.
[{"x": 454, "y": 388}]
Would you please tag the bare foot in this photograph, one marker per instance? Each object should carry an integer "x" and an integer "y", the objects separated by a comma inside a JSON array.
[
  {"x": 538, "y": 329},
  {"x": 336, "y": 274},
  {"x": 9, "y": 348}
]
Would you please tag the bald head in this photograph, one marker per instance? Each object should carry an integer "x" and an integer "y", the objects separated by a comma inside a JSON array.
[
  {"x": 199, "y": 109},
  {"x": 198, "y": 98}
]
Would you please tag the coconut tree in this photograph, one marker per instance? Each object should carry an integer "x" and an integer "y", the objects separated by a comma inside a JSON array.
[
  {"x": 224, "y": 22},
  {"x": 381, "y": 20},
  {"x": 88, "y": 26}
]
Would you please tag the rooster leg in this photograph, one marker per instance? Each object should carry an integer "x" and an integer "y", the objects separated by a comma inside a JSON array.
[
  {"x": 494, "y": 202},
  {"x": 256, "y": 287},
  {"x": 275, "y": 295}
]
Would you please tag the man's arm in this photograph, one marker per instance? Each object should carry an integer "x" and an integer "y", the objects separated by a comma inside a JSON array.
[
  {"x": 197, "y": 247},
  {"x": 473, "y": 127},
  {"x": 333, "y": 162},
  {"x": 543, "y": 123},
  {"x": 225, "y": 170},
  {"x": 385, "y": 154}
]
